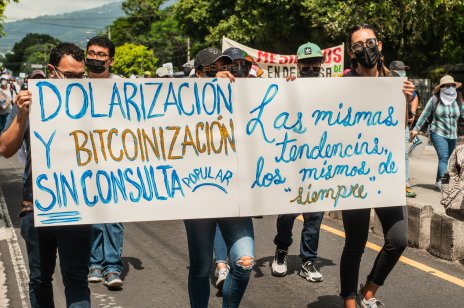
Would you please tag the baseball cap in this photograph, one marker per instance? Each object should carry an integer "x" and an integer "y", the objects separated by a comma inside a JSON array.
[
  {"x": 398, "y": 66},
  {"x": 235, "y": 53},
  {"x": 208, "y": 56},
  {"x": 309, "y": 50},
  {"x": 37, "y": 74}
]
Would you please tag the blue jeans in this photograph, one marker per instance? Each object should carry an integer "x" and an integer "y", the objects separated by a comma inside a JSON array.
[
  {"x": 220, "y": 248},
  {"x": 107, "y": 241},
  {"x": 444, "y": 148},
  {"x": 73, "y": 246},
  {"x": 406, "y": 154},
  {"x": 309, "y": 235},
  {"x": 239, "y": 239}
]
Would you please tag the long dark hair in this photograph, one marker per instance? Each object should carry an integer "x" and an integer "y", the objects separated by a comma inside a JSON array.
[{"x": 383, "y": 70}]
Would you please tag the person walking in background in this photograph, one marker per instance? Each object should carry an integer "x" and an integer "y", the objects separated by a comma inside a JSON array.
[
  {"x": 309, "y": 64},
  {"x": 365, "y": 51},
  {"x": 444, "y": 109},
  {"x": 5, "y": 101},
  {"x": 400, "y": 68},
  {"x": 107, "y": 239}
]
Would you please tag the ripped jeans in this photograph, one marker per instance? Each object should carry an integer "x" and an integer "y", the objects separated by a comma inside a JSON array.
[{"x": 239, "y": 239}]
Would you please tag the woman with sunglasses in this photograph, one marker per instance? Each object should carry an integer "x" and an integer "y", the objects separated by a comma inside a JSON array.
[
  {"x": 445, "y": 108},
  {"x": 236, "y": 231},
  {"x": 365, "y": 51}
]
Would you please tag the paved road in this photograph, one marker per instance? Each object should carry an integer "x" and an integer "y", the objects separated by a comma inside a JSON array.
[{"x": 156, "y": 268}]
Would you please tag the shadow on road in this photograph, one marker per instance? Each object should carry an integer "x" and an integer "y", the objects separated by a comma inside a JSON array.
[
  {"x": 427, "y": 186},
  {"x": 135, "y": 262},
  {"x": 326, "y": 301}
]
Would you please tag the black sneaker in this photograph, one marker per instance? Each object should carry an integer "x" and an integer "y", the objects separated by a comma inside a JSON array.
[
  {"x": 279, "y": 265},
  {"x": 310, "y": 273}
]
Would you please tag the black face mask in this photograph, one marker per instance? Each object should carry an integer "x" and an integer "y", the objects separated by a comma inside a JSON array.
[
  {"x": 368, "y": 57},
  {"x": 211, "y": 74},
  {"x": 95, "y": 66},
  {"x": 308, "y": 73},
  {"x": 239, "y": 70}
]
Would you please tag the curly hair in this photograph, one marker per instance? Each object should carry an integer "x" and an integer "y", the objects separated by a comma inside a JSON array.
[{"x": 65, "y": 49}]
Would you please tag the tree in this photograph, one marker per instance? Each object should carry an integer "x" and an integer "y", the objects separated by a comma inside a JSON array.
[
  {"x": 133, "y": 59},
  {"x": 3, "y": 4},
  {"x": 32, "y": 42},
  {"x": 135, "y": 26},
  {"x": 421, "y": 32},
  {"x": 276, "y": 26},
  {"x": 168, "y": 41}
]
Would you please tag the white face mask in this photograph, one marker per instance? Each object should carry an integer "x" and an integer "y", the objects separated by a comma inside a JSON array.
[
  {"x": 4, "y": 82},
  {"x": 448, "y": 95}
]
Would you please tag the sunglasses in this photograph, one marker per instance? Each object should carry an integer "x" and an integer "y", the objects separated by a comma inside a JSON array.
[
  {"x": 213, "y": 69},
  {"x": 69, "y": 75},
  {"x": 448, "y": 85},
  {"x": 359, "y": 46}
]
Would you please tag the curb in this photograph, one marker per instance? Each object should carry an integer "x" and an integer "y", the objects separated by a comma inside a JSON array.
[{"x": 438, "y": 233}]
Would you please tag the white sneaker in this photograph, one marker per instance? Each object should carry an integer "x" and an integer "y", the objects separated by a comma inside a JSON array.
[
  {"x": 279, "y": 265},
  {"x": 221, "y": 277},
  {"x": 438, "y": 185},
  {"x": 310, "y": 272},
  {"x": 361, "y": 302}
]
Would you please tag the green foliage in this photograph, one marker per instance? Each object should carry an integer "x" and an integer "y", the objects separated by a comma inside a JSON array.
[
  {"x": 422, "y": 33},
  {"x": 133, "y": 59},
  {"x": 168, "y": 42},
  {"x": 3, "y": 4},
  {"x": 32, "y": 43},
  {"x": 141, "y": 14}
]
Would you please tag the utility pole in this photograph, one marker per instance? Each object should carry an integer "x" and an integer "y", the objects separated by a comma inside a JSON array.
[
  {"x": 109, "y": 33},
  {"x": 188, "y": 49}
]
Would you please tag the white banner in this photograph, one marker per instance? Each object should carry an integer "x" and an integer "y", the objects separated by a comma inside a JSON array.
[
  {"x": 280, "y": 66},
  {"x": 118, "y": 150}
]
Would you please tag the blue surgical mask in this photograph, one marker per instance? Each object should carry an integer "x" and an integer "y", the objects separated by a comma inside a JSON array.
[{"x": 402, "y": 73}]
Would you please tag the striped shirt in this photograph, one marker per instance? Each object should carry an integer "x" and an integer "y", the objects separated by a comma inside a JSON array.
[{"x": 445, "y": 118}]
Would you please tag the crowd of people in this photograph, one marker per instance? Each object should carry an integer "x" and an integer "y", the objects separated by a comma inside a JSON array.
[{"x": 92, "y": 253}]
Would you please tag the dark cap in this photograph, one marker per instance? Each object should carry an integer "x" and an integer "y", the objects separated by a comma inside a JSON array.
[
  {"x": 208, "y": 56},
  {"x": 235, "y": 53},
  {"x": 37, "y": 74},
  {"x": 398, "y": 66}
]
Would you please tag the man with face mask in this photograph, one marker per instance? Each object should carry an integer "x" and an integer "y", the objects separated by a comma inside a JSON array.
[
  {"x": 100, "y": 57},
  {"x": 240, "y": 66},
  {"x": 71, "y": 242},
  {"x": 107, "y": 239},
  {"x": 309, "y": 62},
  {"x": 5, "y": 101}
]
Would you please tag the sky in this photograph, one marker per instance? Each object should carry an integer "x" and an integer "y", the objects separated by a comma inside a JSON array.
[{"x": 33, "y": 8}]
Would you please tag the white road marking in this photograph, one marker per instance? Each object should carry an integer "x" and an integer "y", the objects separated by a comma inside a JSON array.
[{"x": 8, "y": 233}]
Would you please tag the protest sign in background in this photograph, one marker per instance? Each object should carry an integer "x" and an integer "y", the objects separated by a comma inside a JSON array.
[
  {"x": 150, "y": 149},
  {"x": 281, "y": 66}
]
